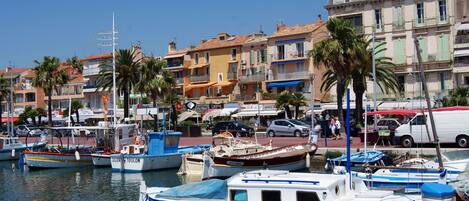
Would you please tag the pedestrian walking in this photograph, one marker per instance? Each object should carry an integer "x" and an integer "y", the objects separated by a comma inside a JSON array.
[
  {"x": 332, "y": 127},
  {"x": 337, "y": 129}
]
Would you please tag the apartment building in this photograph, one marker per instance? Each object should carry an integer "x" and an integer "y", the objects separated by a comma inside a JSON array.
[
  {"x": 178, "y": 62},
  {"x": 397, "y": 23},
  {"x": 214, "y": 69},
  {"x": 461, "y": 44},
  {"x": 91, "y": 69},
  {"x": 290, "y": 68},
  {"x": 23, "y": 93},
  {"x": 253, "y": 71},
  {"x": 72, "y": 90}
]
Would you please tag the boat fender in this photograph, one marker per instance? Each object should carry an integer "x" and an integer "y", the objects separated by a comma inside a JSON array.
[
  {"x": 12, "y": 153},
  {"x": 308, "y": 160},
  {"x": 77, "y": 155}
]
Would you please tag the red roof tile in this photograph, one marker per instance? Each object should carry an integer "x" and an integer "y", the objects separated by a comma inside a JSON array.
[
  {"x": 99, "y": 56},
  {"x": 296, "y": 29},
  {"x": 215, "y": 43}
]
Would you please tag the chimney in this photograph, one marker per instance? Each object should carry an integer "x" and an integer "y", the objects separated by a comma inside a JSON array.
[
  {"x": 172, "y": 46},
  {"x": 281, "y": 26},
  {"x": 203, "y": 41},
  {"x": 223, "y": 36}
]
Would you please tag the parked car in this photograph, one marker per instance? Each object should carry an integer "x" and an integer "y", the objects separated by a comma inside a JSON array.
[
  {"x": 288, "y": 127},
  {"x": 451, "y": 127},
  {"x": 238, "y": 129},
  {"x": 26, "y": 130}
]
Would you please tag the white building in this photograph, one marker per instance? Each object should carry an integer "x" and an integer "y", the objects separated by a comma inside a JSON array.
[{"x": 398, "y": 23}]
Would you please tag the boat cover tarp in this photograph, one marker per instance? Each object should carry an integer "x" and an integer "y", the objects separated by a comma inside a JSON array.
[
  {"x": 438, "y": 191},
  {"x": 360, "y": 157},
  {"x": 209, "y": 189}
]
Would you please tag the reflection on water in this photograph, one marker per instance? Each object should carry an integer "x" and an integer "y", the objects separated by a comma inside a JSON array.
[{"x": 86, "y": 183}]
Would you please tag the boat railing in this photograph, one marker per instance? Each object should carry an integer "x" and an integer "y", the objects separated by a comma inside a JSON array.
[{"x": 280, "y": 181}]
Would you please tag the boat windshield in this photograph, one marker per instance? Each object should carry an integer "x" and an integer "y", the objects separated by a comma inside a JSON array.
[{"x": 299, "y": 123}]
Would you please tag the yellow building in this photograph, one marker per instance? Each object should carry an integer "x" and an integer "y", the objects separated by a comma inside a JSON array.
[{"x": 214, "y": 69}]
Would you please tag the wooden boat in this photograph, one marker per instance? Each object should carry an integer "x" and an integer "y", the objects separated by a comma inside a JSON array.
[
  {"x": 293, "y": 157},
  {"x": 58, "y": 157}
]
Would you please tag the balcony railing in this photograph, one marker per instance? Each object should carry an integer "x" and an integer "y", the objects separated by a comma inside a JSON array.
[
  {"x": 245, "y": 97},
  {"x": 91, "y": 71},
  {"x": 200, "y": 78},
  {"x": 258, "y": 77},
  {"x": 461, "y": 64},
  {"x": 23, "y": 86},
  {"x": 428, "y": 22},
  {"x": 232, "y": 75},
  {"x": 294, "y": 75},
  {"x": 90, "y": 86},
  {"x": 462, "y": 39},
  {"x": 179, "y": 80}
]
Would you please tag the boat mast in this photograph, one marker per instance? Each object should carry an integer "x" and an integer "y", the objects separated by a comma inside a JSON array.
[
  {"x": 114, "y": 72},
  {"x": 436, "y": 141}
]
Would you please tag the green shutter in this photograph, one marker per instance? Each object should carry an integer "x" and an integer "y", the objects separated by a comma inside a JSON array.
[
  {"x": 443, "y": 47},
  {"x": 423, "y": 48},
  {"x": 380, "y": 48},
  {"x": 399, "y": 51}
]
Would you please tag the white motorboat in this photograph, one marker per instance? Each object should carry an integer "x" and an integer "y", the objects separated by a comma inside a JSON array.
[
  {"x": 11, "y": 147},
  {"x": 286, "y": 186},
  {"x": 224, "y": 144}
]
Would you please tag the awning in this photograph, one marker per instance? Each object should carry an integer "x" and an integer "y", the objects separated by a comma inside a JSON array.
[
  {"x": 461, "y": 53},
  {"x": 394, "y": 112},
  {"x": 388, "y": 105},
  {"x": 463, "y": 27},
  {"x": 6, "y": 119},
  {"x": 254, "y": 113},
  {"x": 453, "y": 108},
  {"x": 186, "y": 115},
  {"x": 284, "y": 84},
  {"x": 212, "y": 113},
  {"x": 174, "y": 55},
  {"x": 197, "y": 66},
  {"x": 288, "y": 62},
  {"x": 225, "y": 83},
  {"x": 191, "y": 86}
]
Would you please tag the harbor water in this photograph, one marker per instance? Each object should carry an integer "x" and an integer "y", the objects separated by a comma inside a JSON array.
[{"x": 86, "y": 183}]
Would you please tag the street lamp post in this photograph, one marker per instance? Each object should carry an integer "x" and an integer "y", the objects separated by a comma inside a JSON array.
[{"x": 313, "y": 132}]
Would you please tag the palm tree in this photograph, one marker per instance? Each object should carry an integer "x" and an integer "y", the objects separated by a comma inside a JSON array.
[
  {"x": 362, "y": 71},
  {"x": 49, "y": 77},
  {"x": 335, "y": 54},
  {"x": 41, "y": 113},
  {"x": 4, "y": 92},
  {"x": 297, "y": 100},
  {"x": 171, "y": 99},
  {"x": 76, "y": 105},
  {"x": 283, "y": 101},
  {"x": 457, "y": 97},
  {"x": 127, "y": 75},
  {"x": 155, "y": 81},
  {"x": 75, "y": 63}
]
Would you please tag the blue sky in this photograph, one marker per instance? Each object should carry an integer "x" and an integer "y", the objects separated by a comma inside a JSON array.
[{"x": 33, "y": 29}]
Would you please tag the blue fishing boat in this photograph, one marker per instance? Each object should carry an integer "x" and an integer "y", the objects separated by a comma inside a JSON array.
[
  {"x": 11, "y": 147},
  {"x": 358, "y": 159},
  {"x": 162, "y": 152}
]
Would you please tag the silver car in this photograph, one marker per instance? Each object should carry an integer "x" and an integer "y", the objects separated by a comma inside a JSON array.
[{"x": 288, "y": 127}]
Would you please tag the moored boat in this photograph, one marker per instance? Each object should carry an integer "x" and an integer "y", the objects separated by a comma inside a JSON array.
[
  {"x": 163, "y": 153},
  {"x": 293, "y": 157},
  {"x": 11, "y": 147},
  {"x": 359, "y": 159},
  {"x": 57, "y": 157}
]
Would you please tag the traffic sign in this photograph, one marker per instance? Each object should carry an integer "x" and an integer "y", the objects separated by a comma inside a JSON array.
[{"x": 190, "y": 105}]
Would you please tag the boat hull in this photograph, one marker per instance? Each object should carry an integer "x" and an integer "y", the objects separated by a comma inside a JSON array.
[
  {"x": 6, "y": 154},
  {"x": 101, "y": 160},
  {"x": 140, "y": 162},
  {"x": 192, "y": 165},
  {"x": 56, "y": 160}
]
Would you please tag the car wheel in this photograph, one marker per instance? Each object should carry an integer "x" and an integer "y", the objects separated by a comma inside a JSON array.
[
  {"x": 462, "y": 141},
  {"x": 407, "y": 142},
  {"x": 271, "y": 133},
  {"x": 297, "y": 133}
]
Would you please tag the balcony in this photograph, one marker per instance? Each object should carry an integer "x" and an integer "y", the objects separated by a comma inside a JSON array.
[
  {"x": 232, "y": 75},
  {"x": 258, "y": 77},
  {"x": 292, "y": 55},
  {"x": 293, "y": 75},
  {"x": 179, "y": 80},
  {"x": 462, "y": 39},
  {"x": 23, "y": 86},
  {"x": 245, "y": 97},
  {"x": 91, "y": 71},
  {"x": 200, "y": 78}
]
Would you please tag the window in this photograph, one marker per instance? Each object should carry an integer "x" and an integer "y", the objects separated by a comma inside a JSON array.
[
  {"x": 378, "y": 20},
  {"x": 442, "y": 81},
  {"x": 420, "y": 13},
  {"x": 423, "y": 48},
  {"x": 357, "y": 22},
  {"x": 233, "y": 54},
  {"x": 398, "y": 18},
  {"x": 300, "y": 67},
  {"x": 381, "y": 123},
  {"x": 251, "y": 57},
  {"x": 401, "y": 81},
  {"x": 466, "y": 80},
  {"x": 196, "y": 58},
  {"x": 306, "y": 196},
  {"x": 442, "y": 10},
  {"x": 271, "y": 196},
  {"x": 280, "y": 52},
  {"x": 418, "y": 120},
  {"x": 207, "y": 57},
  {"x": 281, "y": 123},
  {"x": 262, "y": 55},
  {"x": 443, "y": 47},
  {"x": 300, "y": 49},
  {"x": 30, "y": 97},
  {"x": 399, "y": 51},
  {"x": 238, "y": 195},
  {"x": 233, "y": 67}
]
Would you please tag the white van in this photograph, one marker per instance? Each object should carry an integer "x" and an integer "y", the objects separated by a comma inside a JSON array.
[{"x": 451, "y": 127}]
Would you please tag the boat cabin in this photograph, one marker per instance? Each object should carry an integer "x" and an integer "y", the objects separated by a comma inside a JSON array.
[
  {"x": 133, "y": 149},
  {"x": 163, "y": 142},
  {"x": 9, "y": 142},
  {"x": 287, "y": 186}
]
